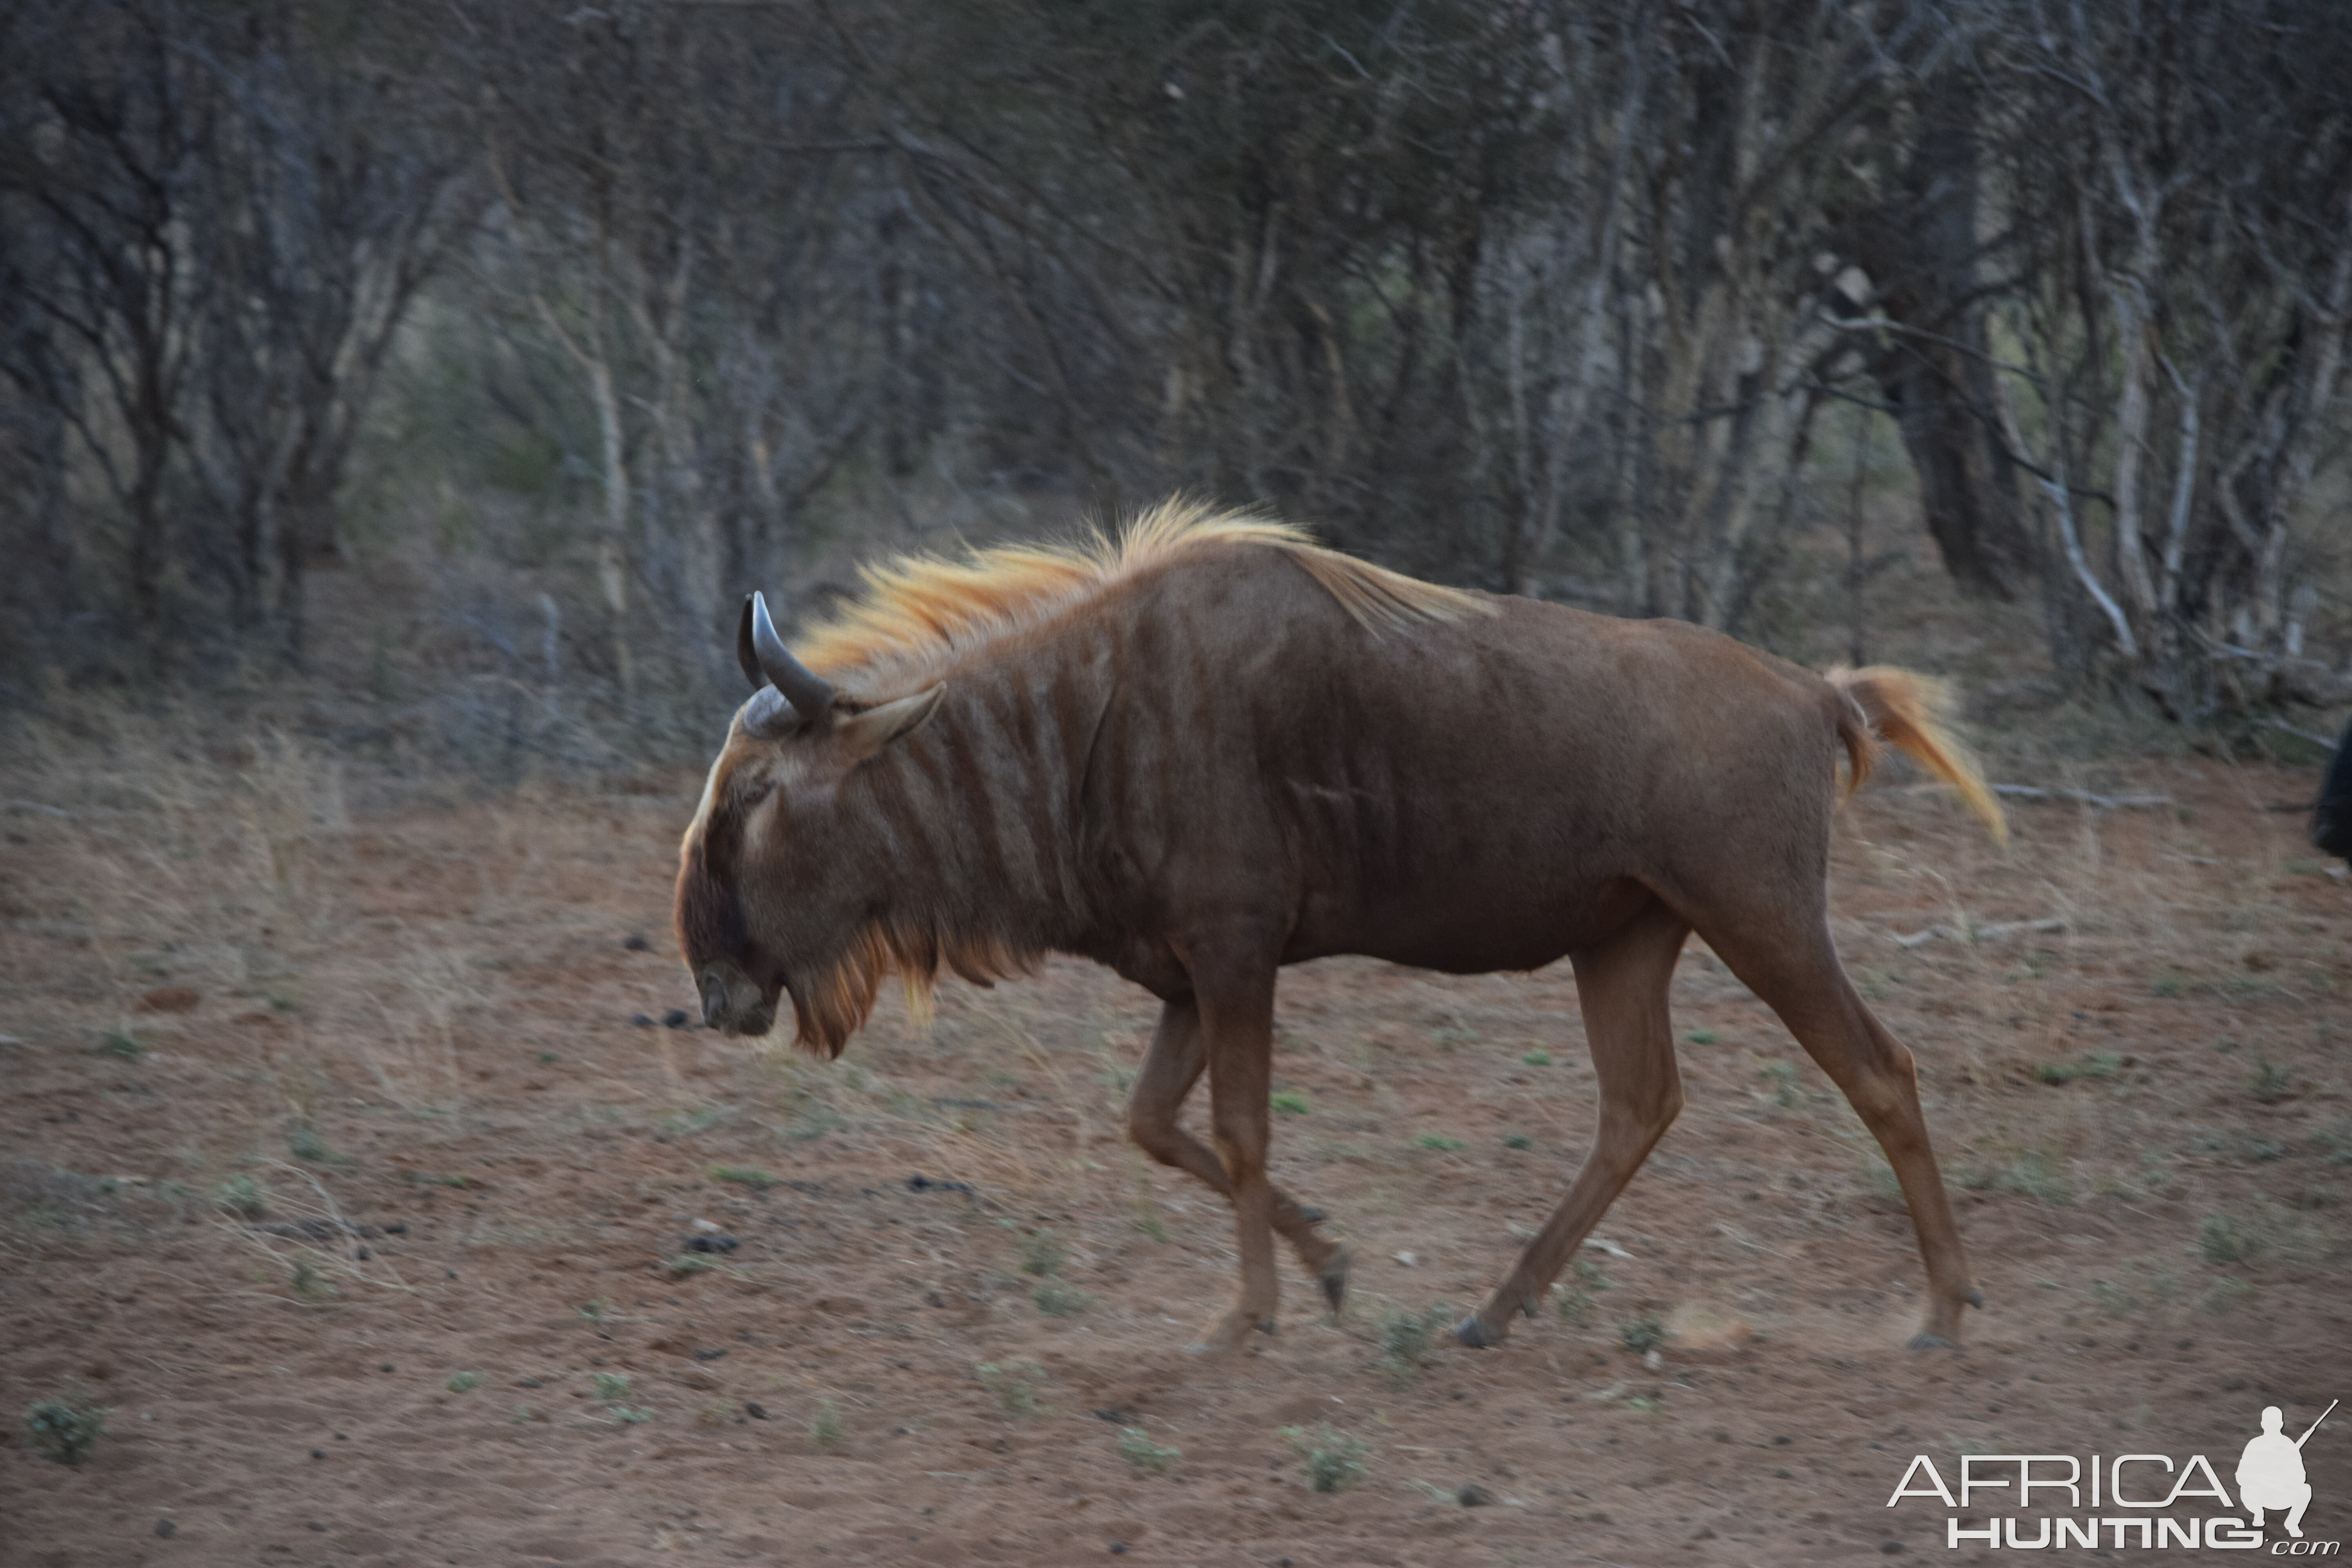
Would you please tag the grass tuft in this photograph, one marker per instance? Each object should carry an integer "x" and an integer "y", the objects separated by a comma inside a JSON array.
[
  {"x": 64, "y": 1429},
  {"x": 1406, "y": 1340},
  {"x": 1148, "y": 1458},
  {"x": 825, "y": 1428},
  {"x": 1334, "y": 1460},
  {"x": 1014, "y": 1386},
  {"x": 1059, "y": 1299},
  {"x": 1643, "y": 1334},
  {"x": 2094, "y": 1064},
  {"x": 1042, "y": 1252}
]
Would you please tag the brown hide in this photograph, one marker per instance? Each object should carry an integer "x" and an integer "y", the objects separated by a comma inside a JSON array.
[{"x": 1215, "y": 759}]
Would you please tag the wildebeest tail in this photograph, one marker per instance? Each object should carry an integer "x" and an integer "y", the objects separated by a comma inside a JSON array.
[{"x": 1910, "y": 713}]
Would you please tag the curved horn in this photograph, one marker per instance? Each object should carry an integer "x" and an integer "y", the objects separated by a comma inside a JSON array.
[
  {"x": 810, "y": 697},
  {"x": 747, "y": 652}
]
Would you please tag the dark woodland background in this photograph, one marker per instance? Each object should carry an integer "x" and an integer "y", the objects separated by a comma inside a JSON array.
[{"x": 482, "y": 355}]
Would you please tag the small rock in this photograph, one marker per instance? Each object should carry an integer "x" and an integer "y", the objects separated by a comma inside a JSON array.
[
  {"x": 711, "y": 1244},
  {"x": 1475, "y": 1496},
  {"x": 318, "y": 1453},
  {"x": 709, "y": 1355},
  {"x": 643, "y": 1020},
  {"x": 1407, "y": 1259},
  {"x": 1703, "y": 1533},
  {"x": 1890, "y": 1547},
  {"x": 755, "y": 1410},
  {"x": 317, "y": 1526},
  {"x": 164, "y": 1526},
  {"x": 637, "y": 942},
  {"x": 675, "y": 1018},
  {"x": 1119, "y": 1549}
]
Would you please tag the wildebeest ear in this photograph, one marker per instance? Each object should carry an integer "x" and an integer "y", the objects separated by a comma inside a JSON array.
[{"x": 867, "y": 733}]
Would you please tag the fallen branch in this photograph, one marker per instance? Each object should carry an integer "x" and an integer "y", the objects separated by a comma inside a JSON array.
[
  {"x": 2082, "y": 796},
  {"x": 1981, "y": 934}
]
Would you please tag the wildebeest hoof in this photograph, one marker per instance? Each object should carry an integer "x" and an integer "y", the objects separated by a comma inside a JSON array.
[
  {"x": 1310, "y": 1214},
  {"x": 1930, "y": 1342},
  {"x": 1475, "y": 1334},
  {"x": 1231, "y": 1333},
  {"x": 1976, "y": 1297},
  {"x": 1334, "y": 1281}
]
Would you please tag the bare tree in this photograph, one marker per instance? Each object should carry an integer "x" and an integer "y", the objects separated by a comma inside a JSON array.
[{"x": 2188, "y": 172}]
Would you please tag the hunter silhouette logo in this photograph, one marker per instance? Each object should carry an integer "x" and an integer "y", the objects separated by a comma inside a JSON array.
[{"x": 2270, "y": 1472}]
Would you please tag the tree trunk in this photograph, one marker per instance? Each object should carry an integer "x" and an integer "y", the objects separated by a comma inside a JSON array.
[{"x": 1936, "y": 372}]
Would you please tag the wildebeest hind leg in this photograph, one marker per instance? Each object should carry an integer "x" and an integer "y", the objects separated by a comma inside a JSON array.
[
  {"x": 1622, "y": 987},
  {"x": 1171, "y": 1068},
  {"x": 1792, "y": 964}
]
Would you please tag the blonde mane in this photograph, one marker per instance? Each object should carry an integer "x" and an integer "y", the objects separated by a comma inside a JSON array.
[{"x": 925, "y": 608}]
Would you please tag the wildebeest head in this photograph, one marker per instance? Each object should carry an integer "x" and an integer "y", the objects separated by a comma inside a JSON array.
[{"x": 771, "y": 898}]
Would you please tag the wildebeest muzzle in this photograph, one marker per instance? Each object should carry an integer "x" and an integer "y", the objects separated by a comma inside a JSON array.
[{"x": 732, "y": 1003}]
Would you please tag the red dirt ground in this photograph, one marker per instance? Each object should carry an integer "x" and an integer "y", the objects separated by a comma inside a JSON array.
[{"x": 418, "y": 1025}]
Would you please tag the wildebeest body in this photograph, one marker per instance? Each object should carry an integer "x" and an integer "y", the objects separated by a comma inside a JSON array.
[{"x": 1228, "y": 753}]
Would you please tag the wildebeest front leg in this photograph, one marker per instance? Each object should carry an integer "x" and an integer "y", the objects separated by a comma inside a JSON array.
[
  {"x": 1622, "y": 987},
  {"x": 1171, "y": 1068},
  {"x": 1232, "y": 985}
]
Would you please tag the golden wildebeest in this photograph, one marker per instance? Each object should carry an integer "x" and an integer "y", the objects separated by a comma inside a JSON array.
[{"x": 1208, "y": 749}]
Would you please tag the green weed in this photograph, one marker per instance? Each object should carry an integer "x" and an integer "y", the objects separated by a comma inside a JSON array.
[
  {"x": 1058, "y": 1299},
  {"x": 242, "y": 1196},
  {"x": 612, "y": 1392},
  {"x": 1135, "y": 1447},
  {"x": 1042, "y": 1252},
  {"x": 1438, "y": 1142},
  {"x": 1334, "y": 1460},
  {"x": 2094, "y": 1064},
  {"x": 2271, "y": 1082},
  {"x": 310, "y": 1284},
  {"x": 1014, "y": 1386},
  {"x": 1643, "y": 1334},
  {"x": 750, "y": 1176},
  {"x": 1290, "y": 1102},
  {"x": 1537, "y": 1059},
  {"x": 306, "y": 1142},
  {"x": 825, "y": 1428},
  {"x": 2222, "y": 1295},
  {"x": 1406, "y": 1339},
  {"x": 464, "y": 1382},
  {"x": 64, "y": 1429}
]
